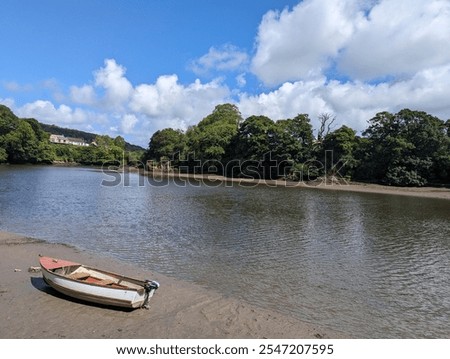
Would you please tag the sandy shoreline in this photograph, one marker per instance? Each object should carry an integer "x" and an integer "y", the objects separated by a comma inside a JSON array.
[
  {"x": 214, "y": 180},
  {"x": 30, "y": 309}
]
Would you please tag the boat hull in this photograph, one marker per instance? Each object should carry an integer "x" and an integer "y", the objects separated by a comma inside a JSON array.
[{"x": 135, "y": 295}]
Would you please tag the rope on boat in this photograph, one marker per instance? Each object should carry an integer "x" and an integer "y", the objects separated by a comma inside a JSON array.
[{"x": 150, "y": 286}]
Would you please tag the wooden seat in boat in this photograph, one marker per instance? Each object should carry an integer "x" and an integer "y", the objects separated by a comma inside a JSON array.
[
  {"x": 105, "y": 282},
  {"x": 79, "y": 275}
]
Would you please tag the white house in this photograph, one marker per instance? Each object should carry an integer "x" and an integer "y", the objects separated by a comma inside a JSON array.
[{"x": 68, "y": 140}]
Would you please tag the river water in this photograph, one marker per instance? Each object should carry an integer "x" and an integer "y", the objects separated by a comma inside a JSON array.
[{"x": 371, "y": 265}]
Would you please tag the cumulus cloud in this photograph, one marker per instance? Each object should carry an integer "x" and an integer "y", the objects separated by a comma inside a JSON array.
[
  {"x": 353, "y": 103},
  {"x": 61, "y": 115},
  {"x": 8, "y": 102},
  {"x": 398, "y": 38},
  {"x": 112, "y": 79},
  {"x": 128, "y": 123},
  {"x": 170, "y": 100},
  {"x": 299, "y": 44},
  {"x": 83, "y": 95},
  {"x": 352, "y": 58},
  {"x": 362, "y": 39},
  {"x": 225, "y": 58},
  {"x": 286, "y": 101},
  {"x": 47, "y": 112},
  {"x": 148, "y": 107},
  {"x": 113, "y": 104}
]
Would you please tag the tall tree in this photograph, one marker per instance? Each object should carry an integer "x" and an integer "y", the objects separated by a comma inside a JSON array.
[
  {"x": 254, "y": 144},
  {"x": 292, "y": 143},
  {"x": 404, "y": 147},
  {"x": 165, "y": 143},
  {"x": 8, "y": 121},
  {"x": 342, "y": 144},
  {"x": 294, "y": 138},
  {"x": 209, "y": 142},
  {"x": 22, "y": 144}
]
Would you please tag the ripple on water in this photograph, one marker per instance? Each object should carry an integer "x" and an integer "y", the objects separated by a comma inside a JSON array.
[{"x": 371, "y": 265}]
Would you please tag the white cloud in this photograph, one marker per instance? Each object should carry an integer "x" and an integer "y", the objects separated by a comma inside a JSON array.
[
  {"x": 8, "y": 102},
  {"x": 169, "y": 100},
  {"x": 286, "y": 101},
  {"x": 299, "y": 44},
  {"x": 395, "y": 53},
  {"x": 363, "y": 39},
  {"x": 141, "y": 110},
  {"x": 225, "y": 58},
  {"x": 117, "y": 88},
  {"x": 398, "y": 38},
  {"x": 128, "y": 123},
  {"x": 83, "y": 95},
  {"x": 113, "y": 105},
  {"x": 353, "y": 103},
  {"x": 63, "y": 115},
  {"x": 14, "y": 86},
  {"x": 45, "y": 111}
]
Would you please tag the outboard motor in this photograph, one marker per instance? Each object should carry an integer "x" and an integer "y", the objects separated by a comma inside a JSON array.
[{"x": 150, "y": 287}]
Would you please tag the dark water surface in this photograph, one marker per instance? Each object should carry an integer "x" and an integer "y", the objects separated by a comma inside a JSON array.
[{"x": 374, "y": 266}]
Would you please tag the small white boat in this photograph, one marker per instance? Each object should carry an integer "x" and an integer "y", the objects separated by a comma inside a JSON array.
[{"x": 95, "y": 285}]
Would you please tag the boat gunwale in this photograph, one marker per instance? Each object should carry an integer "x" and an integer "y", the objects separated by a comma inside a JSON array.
[
  {"x": 110, "y": 294},
  {"x": 96, "y": 299},
  {"x": 141, "y": 283}
]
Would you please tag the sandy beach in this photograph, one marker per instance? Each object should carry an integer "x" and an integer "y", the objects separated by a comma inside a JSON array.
[
  {"x": 179, "y": 310},
  {"x": 325, "y": 185}
]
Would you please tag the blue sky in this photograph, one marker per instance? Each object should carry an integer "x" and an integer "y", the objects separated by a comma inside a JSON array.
[{"x": 132, "y": 67}]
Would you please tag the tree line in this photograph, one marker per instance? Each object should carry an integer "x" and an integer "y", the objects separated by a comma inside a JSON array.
[
  {"x": 409, "y": 148},
  {"x": 23, "y": 140}
]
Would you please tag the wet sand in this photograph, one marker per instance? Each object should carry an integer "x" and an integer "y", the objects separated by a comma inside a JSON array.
[
  {"x": 327, "y": 185},
  {"x": 179, "y": 310}
]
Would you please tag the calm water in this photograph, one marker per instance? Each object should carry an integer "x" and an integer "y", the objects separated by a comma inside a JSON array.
[{"x": 370, "y": 265}]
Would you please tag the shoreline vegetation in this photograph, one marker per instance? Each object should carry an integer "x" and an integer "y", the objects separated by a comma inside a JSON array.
[
  {"x": 214, "y": 180},
  {"x": 407, "y": 149},
  {"x": 332, "y": 184},
  {"x": 179, "y": 310}
]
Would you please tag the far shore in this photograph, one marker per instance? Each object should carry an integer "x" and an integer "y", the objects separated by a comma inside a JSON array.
[
  {"x": 320, "y": 184},
  {"x": 328, "y": 185},
  {"x": 179, "y": 310}
]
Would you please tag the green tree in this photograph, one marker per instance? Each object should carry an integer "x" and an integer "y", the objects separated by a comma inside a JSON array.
[
  {"x": 3, "y": 154},
  {"x": 8, "y": 121},
  {"x": 45, "y": 153},
  {"x": 22, "y": 144},
  {"x": 225, "y": 113},
  {"x": 119, "y": 142},
  {"x": 209, "y": 142},
  {"x": 253, "y": 147},
  {"x": 341, "y": 144},
  {"x": 404, "y": 148},
  {"x": 294, "y": 138},
  {"x": 106, "y": 151},
  {"x": 134, "y": 158},
  {"x": 165, "y": 143},
  {"x": 65, "y": 153},
  {"x": 292, "y": 143},
  {"x": 255, "y": 138}
]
